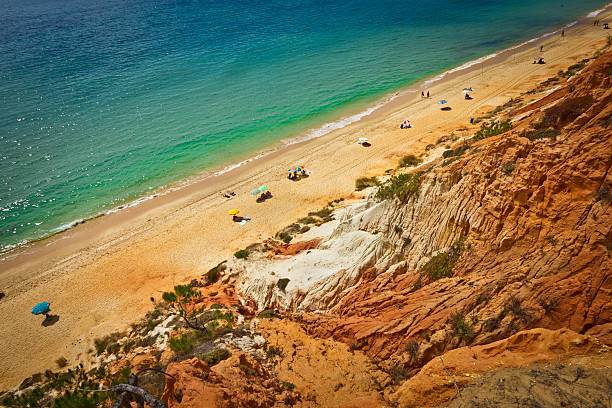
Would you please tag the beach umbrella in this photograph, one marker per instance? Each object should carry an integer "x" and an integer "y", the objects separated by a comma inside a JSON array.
[
  {"x": 443, "y": 101},
  {"x": 363, "y": 139},
  {"x": 233, "y": 211},
  {"x": 262, "y": 188},
  {"x": 466, "y": 91},
  {"x": 41, "y": 308},
  {"x": 254, "y": 192},
  {"x": 538, "y": 58}
]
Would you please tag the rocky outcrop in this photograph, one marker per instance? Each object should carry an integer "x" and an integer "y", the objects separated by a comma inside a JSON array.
[
  {"x": 240, "y": 381},
  {"x": 434, "y": 384},
  {"x": 532, "y": 208}
]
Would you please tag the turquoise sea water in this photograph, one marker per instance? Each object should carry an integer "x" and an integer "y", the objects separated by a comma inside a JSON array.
[{"x": 103, "y": 102}]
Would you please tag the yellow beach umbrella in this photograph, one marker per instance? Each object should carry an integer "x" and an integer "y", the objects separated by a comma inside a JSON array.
[{"x": 233, "y": 211}]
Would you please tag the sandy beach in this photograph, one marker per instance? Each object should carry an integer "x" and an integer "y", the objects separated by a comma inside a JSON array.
[{"x": 100, "y": 276}]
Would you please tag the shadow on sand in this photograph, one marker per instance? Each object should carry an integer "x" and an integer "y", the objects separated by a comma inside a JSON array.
[{"x": 50, "y": 321}]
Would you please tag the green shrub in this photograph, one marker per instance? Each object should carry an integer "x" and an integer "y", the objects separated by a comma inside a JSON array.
[
  {"x": 250, "y": 371},
  {"x": 462, "y": 327},
  {"x": 304, "y": 229},
  {"x": 441, "y": 265},
  {"x": 242, "y": 254},
  {"x": 455, "y": 152},
  {"x": 508, "y": 167},
  {"x": 308, "y": 220},
  {"x": 289, "y": 386},
  {"x": 322, "y": 213},
  {"x": 364, "y": 182},
  {"x": 182, "y": 344},
  {"x": 542, "y": 134},
  {"x": 215, "y": 356},
  {"x": 402, "y": 187},
  {"x": 412, "y": 348},
  {"x": 409, "y": 161},
  {"x": 61, "y": 362},
  {"x": 268, "y": 314},
  {"x": 286, "y": 238},
  {"x": 272, "y": 351},
  {"x": 282, "y": 283},
  {"x": 213, "y": 275},
  {"x": 492, "y": 129}
]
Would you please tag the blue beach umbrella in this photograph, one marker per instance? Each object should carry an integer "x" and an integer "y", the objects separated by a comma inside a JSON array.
[
  {"x": 254, "y": 192},
  {"x": 262, "y": 188},
  {"x": 41, "y": 308},
  {"x": 443, "y": 101}
]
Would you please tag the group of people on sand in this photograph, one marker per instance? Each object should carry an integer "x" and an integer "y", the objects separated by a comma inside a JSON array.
[
  {"x": 297, "y": 174},
  {"x": 264, "y": 196},
  {"x": 423, "y": 94}
]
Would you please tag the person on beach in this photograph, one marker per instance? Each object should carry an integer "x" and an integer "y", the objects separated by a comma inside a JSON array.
[
  {"x": 428, "y": 94},
  {"x": 541, "y": 48},
  {"x": 237, "y": 218},
  {"x": 467, "y": 96},
  {"x": 562, "y": 33},
  {"x": 422, "y": 94}
]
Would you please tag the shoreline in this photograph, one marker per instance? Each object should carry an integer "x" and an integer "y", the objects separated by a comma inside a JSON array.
[
  {"x": 110, "y": 266},
  {"x": 345, "y": 118}
]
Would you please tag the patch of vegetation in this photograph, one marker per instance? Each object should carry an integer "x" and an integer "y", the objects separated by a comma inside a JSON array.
[
  {"x": 213, "y": 275},
  {"x": 182, "y": 344},
  {"x": 409, "y": 161},
  {"x": 461, "y": 326},
  {"x": 107, "y": 343},
  {"x": 514, "y": 306},
  {"x": 308, "y": 220},
  {"x": 364, "y": 182},
  {"x": 61, "y": 362},
  {"x": 250, "y": 371},
  {"x": 549, "y": 304},
  {"x": 550, "y": 81},
  {"x": 399, "y": 373},
  {"x": 492, "y": 129},
  {"x": 215, "y": 356},
  {"x": 493, "y": 323},
  {"x": 573, "y": 69},
  {"x": 441, "y": 265},
  {"x": 508, "y": 167},
  {"x": 603, "y": 193},
  {"x": 456, "y": 152},
  {"x": 282, "y": 283},
  {"x": 304, "y": 229},
  {"x": 539, "y": 134},
  {"x": 273, "y": 351},
  {"x": 402, "y": 186},
  {"x": 269, "y": 314},
  {"x": 324, "y": 212},
  {"x": 412, "y": 348},
  {"x": 242, "y": 254},
  {"x": 288, "y": 386},
  {"x": 565, "y": 112},
  {"x": 552, "y": 239}
]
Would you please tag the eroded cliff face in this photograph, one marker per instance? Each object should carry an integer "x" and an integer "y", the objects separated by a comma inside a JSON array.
[{"x": 528, "y": 215}]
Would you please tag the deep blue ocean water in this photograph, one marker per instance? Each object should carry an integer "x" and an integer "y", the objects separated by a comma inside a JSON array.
[{"x": 103, "y": 102}]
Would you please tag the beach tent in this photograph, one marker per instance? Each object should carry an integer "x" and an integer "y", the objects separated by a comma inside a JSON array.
[
  {"x": 233, "y": 211},
  {"x": 605, "y": 26}
]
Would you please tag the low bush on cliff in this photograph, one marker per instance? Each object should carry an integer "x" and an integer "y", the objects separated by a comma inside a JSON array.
[
  {"x": 215, "y": 356},
  {"x": 282, "y": 283},
  {"x": 409, "y": 161},
  {"x": 182, "y": 344},
  {"x": 242, "y": 254},
  {"x": 539, "y": 134},
  {"x": 364, "y": 182},
  {"x": 456, "y": 152},
  {"x": 461, "y": 326},
  {"x": 441, "y": 265},
  {"x": 403, "y": 187},
  {"x": 492, "y": 129}
]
